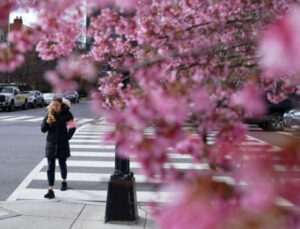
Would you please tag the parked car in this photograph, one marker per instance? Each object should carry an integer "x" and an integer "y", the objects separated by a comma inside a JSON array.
[
  {"x": 73, "y": 96},
  {"x": 11, "y": 97},
  {"x": 48, "y": 98},
  {"x": 35, "y": 98},
  {"x": 291, "y": 119},
  {"x": 59, "y": 94},
  {"x": 274, "y": 118}
]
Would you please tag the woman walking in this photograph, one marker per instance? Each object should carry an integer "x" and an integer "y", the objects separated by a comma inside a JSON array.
[{"x": 60, "y": 126}]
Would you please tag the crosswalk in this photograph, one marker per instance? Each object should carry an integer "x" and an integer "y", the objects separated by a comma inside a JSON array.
[
  {"x": 36, "y": 119},
  {"x": 92, "y": 163}
]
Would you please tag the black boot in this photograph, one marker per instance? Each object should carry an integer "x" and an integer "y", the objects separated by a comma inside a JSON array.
[
  {"x": 49, "y": 194},
  {"x": 63, "y": 186}
]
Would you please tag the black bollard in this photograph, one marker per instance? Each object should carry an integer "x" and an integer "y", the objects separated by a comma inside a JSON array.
[{"x": 121, "y": 204}]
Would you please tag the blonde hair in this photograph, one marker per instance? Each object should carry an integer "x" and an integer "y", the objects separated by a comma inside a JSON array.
[{"x": 64, "y": 101}]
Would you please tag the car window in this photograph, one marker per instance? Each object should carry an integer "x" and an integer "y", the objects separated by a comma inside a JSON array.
[
  {"x": 48, "y": 95},
  {"x": 7, "y": 90},
  {"x": 59, "y": 95}
]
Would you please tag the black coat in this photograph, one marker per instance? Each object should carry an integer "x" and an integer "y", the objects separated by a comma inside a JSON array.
[{"x": 57, "y": 144}]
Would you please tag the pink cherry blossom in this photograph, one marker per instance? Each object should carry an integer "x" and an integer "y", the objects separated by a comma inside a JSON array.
[
  {"x": 67, "y": 71},
  {"x": 130, "y": 4},
  {"x": 23, "y": 40},
  {"x": 5, "y": 7},
  {"x": 59, "y": 84},
  {"x": 251, "y": 99},
  {"x": 261, "y": 189},
  {"x": 191, "y": 146},
  {"x": 73, "y": 66},
  {"x": 280, "y": 45},
  {"x": 180, "y": 76},
  {"x": 9, "y": 59},
  {"x": 194, "y": 207}
]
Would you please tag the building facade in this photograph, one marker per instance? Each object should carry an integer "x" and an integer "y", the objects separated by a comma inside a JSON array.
[{"x": 32, "y": 71}]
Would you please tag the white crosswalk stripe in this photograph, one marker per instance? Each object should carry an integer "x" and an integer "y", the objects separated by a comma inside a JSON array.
[
  {"x": 3, "y": 117},
  {"x": 33, "y": 119},
  {"x": 18, "y": 118},
  {"x": 92, "y": 164}
]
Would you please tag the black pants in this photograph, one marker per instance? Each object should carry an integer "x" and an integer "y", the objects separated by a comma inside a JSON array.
[{"x": 51, "y": 169}]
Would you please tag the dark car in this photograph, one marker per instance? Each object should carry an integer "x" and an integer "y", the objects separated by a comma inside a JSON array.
[
  {"x": 35, "y": 98},
  {"x": 73, "y": 96},
  {"x": 273, "y": 118}
]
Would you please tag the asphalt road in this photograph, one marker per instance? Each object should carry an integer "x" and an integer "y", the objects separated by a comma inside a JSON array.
[
  {"x": 80, "y": 110},
  {"x": 22, "y": 145}
]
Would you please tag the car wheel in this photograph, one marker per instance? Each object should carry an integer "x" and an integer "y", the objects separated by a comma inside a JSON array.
[
  {"x": 25, "y": 106},
  {"x": 276, "y": 122},
  {"x": 11, "y": 106},
  {"x": 34, "y": 104}
]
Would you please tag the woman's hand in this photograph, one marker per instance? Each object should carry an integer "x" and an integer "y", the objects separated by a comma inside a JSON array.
[{"x": 50, "y": 120}]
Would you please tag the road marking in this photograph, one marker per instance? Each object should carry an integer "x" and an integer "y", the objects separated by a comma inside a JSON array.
[
  {"x": 112, "y": 155},
  {"x": 34, "y": 119},
  {"x": 93, "y": 177},
  {"x": 96, "y": 131},
  {"x": 92, "y": 154},
  {"x": 82, "y": 121},
  {"x": 133, "y": 164},
  {"x": 72, "y": 146},
  {"x": 89, "y": 133},
  {"x": 84, "y": 140},
  {"x": 79, "y": 136},
  {"x": 18, "y": 118},
  {"x": 25, "y": 118},
  {"x": 2, "y": 117},
  {"x": 24, "y": 184},
  {"x": 92, "y": 195},
  {"x": 288, "y": 133},
  {"x": 20, "y": 189},
  {"x": 250, "y": 143},
  {"x": 273, "y": 149},
  {"x": 104, "y": 177}
]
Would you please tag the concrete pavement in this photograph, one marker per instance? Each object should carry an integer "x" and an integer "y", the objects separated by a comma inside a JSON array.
[{"x": 59, "y": 214}]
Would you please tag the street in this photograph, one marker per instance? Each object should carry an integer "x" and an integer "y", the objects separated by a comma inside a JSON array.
[
  {"x": 23, "y": 166},
  {"x": 22, "y": 143}
]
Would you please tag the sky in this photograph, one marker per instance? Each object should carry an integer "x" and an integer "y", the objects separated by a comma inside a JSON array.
[{"x": 28, "y": 17}]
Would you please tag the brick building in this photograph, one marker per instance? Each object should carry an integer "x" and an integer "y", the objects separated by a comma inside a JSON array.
[{"x": 32, "y": 71}]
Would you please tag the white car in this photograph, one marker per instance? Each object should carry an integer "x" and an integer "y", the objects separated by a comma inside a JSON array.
[
  {"x": 291, "y": 119},
  {"x": 11, "y": 97},
  {"x": 48, "y": 98},
  {"x": 35, "y": 98}
]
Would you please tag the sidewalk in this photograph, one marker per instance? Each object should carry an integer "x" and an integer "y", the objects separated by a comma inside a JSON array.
[{"x": 64, "y": 215}]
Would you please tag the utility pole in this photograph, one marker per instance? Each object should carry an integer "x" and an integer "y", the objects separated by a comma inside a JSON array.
[
  {"x": 121, "y": 202},
  {"x": 8, "y": 45}
]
